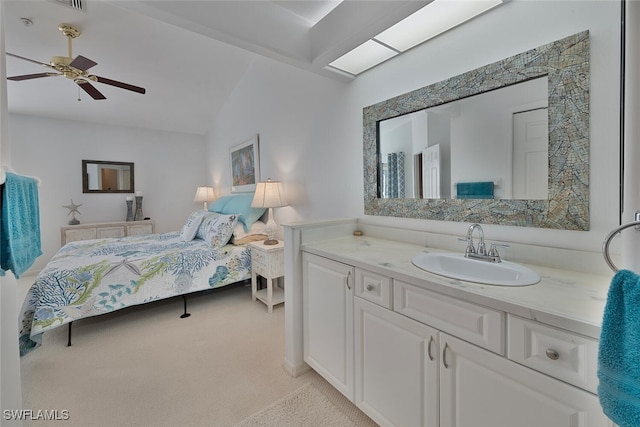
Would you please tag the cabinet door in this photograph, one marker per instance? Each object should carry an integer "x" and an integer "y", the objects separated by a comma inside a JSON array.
[
  {"x": 73, "y": 235},
  {"x": 136, "y": 229},
  {"x": 481, "y": 389},
  {"x": 396, "y": 367},
  {"x": 107, "y": 232},
  {"x": 327, "y": 304}
]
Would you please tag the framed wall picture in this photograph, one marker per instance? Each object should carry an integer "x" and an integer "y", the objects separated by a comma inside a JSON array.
[{"x": 245, "y": 166}]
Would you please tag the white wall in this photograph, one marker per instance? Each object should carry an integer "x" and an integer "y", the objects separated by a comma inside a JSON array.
[
  {"x": 312, "y": 128},
  {"x": 168, "y": 168},
  {"x": 299, "y": 117}
]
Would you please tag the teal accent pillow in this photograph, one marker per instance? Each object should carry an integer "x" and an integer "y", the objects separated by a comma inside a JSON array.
[
  {"x": 241, "y": 206},
  {"x": 219, "y": 204}
]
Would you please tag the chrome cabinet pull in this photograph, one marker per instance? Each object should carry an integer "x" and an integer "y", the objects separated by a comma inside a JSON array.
[
  {"x": 429, "y": 349},
  {"x": 346, "y": 280},
  {"x": 444, "y": 355},
  {"x": 552, "y": 354}
]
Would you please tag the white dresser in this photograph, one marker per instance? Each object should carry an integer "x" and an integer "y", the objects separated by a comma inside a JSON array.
[{"x": 102, "y": 230}]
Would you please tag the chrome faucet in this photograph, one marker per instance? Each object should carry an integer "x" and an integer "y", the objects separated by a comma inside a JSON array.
[
  {"x": 480, "y": 251},
  {"x": 471, "y": 249}
]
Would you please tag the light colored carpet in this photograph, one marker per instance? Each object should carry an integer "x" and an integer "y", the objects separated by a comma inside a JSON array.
[
  {"x": 144, "y": 366},
  {"x": 306, "y": 406}
]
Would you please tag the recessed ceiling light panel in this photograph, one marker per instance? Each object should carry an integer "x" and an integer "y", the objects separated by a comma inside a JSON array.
[
  {"x": 433, "y": 19},
  {"x": 365, "y": 56}
]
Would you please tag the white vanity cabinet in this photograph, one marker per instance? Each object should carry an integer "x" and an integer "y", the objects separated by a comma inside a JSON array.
[
  {"x": 421, "y": 358},
  {"x": 328, "y": 320},
  {"x": 479, "y": 388},
  {"x": 396, "y": 367}
]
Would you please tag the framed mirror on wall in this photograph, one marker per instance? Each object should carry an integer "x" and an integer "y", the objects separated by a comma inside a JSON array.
[
  {"x": 100, "y": 176},
  {"x": 435, "y": 119}
]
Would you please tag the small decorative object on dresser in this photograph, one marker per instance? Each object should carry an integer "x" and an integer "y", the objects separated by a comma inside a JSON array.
[
  {"x": 267, "y": 261},
  {"x": 129, "y": 208},
  {"x": 139, "y": 215},
  {"x": 73, "y": 209}
]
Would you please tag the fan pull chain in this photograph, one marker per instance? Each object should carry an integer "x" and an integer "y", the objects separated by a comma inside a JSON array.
[{"x": 79, "y": 94}]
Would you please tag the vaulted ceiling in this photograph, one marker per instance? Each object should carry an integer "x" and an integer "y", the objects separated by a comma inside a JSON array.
[{"x": 188, "y": 55}]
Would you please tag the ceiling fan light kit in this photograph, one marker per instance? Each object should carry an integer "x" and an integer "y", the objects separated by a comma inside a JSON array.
[{"x": 75, "y": 69}]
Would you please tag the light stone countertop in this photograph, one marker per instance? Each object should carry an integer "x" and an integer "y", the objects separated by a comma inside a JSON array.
[{"x": 565, "y": 299}]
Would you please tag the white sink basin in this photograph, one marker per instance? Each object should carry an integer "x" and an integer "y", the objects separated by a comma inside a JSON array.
[{"x": 456, "y": 266}]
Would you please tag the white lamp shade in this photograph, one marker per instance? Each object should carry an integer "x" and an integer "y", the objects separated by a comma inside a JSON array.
[
  {"x": 204, "y": 194},
  {"x": 269, "y": 194}
]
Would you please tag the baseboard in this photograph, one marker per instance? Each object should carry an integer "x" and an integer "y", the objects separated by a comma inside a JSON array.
[{"x": 295, "y": 370}]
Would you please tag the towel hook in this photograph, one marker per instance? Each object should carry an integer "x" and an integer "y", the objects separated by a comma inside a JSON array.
[{"x": 610, "y": 236}]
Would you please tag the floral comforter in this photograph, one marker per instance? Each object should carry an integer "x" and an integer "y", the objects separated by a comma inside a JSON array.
[{"x": 92, "y": 277}]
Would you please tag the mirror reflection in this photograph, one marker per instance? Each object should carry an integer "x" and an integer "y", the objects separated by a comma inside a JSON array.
[
  {"x": 492, "y": 145},
  {"x": 107, "y": 177}
]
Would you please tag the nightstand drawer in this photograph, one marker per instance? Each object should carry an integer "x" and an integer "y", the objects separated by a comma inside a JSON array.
[
  {"x": 258, "y": 260},
  {"x": 267, "y": 260},
  {"x": 556, "y": 352}
]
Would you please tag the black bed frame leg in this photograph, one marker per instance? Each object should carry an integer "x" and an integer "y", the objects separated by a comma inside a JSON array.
[
  {"x": 69, "y": 335},
  {"x": 185, "y": 314}
]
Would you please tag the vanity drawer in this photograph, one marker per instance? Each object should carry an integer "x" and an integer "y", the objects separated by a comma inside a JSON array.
[
  {"x": 374, "y": 287},
  {"x": 476, "y": 324},
  {"x": 556, "y": 352}
]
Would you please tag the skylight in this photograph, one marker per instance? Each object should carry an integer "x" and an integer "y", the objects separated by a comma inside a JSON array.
[{"x": 433, "y": 19}]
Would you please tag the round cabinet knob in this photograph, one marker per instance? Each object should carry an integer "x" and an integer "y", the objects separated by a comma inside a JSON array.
[
  {"x": 552, "y": 354},
  {"x": 369, "y": 288}
]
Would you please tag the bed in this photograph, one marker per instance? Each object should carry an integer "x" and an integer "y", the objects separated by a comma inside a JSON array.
[{"x": 93, "y": 277}]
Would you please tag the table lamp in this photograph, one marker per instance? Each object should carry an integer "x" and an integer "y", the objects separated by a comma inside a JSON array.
[
  {"x": 204, "y": 194},
  {"x": 269, "y": 194}
]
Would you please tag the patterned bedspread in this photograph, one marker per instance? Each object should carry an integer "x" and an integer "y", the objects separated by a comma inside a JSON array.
[{"x": 92, "y": 277}]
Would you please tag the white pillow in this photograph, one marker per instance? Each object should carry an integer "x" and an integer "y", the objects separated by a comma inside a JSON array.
[
  {"x": 216, "y": 229},
  {"x": 191, "y": 225},
  {"x": 257, "y": 227},
  {"x": 257, "y": 232}
]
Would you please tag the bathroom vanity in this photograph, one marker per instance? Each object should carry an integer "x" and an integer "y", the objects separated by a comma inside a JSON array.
[{"x": 411, "y": 348}]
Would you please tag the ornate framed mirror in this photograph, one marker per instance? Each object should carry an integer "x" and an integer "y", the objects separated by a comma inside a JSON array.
[{"x": 565, "y": 66}]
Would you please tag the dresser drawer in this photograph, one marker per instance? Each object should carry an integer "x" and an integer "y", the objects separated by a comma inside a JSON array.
[
  {"x": 476, "y": 324},
  {"x": 556, "y": 352},
  {"x": 108, "y": 232},
  {"x": 374, "y": 287}
]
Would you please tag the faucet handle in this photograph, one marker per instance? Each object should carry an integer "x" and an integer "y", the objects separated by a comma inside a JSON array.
[
  {"x": 482, "y": 249},
  {"x": 493, "y": 251},
  {"x": 470, "y": 249}
]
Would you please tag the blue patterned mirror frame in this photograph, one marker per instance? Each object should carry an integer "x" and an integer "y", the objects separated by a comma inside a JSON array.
[{"x": 566, "y": 63}]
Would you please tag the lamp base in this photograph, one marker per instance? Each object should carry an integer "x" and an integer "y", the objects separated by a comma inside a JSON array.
[{"x": 270, "y": 242}]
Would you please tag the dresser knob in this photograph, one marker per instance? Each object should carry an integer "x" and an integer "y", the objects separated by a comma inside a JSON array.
[
  {"x": 369, "y": 288},
  {"x": 552, "y": 354}
]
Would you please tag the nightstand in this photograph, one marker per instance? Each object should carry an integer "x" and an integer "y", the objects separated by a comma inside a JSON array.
[{"x": 268, "y": 262}]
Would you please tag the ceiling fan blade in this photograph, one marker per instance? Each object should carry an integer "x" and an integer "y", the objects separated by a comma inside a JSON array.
[
  {"x": 90, "y": 89},
  {"x": 32, "y": 76},
  {"x": 120, "y": 84},
  {"x": 82, "y": 63},
  {"x": 27, "y": 59}
]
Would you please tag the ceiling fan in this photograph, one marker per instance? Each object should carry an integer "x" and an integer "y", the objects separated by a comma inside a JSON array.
[{"x": 75, "y": 69}]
